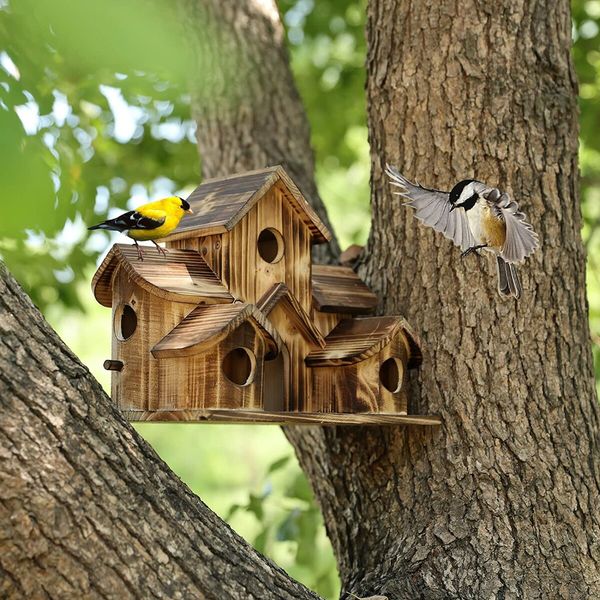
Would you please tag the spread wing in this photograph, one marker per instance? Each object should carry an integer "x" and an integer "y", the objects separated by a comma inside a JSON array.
[
  {"x": 521, "y": 240},
  {"x": 134, "y": 220},
  {"x": 432, "y": 207}
]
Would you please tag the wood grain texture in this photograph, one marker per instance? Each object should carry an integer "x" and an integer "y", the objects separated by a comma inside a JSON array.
[
  {"x": 136, "y": 385},
  {"x": 280, "y": 294},
  {"x": 199, "y": 381},
  {"x": 208, "y": 325},
  {"x": 219, "y": 204},
  {"x": 354, "y": 340},
  {"x": 279, "y": 417},
  {"x": 340, "y": 290},
  {"x": 181, "y": 276}
]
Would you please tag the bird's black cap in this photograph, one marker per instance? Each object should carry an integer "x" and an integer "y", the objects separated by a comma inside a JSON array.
[
  {"x": 184, "y": 203},
  {"x": 458, "y": 188}
]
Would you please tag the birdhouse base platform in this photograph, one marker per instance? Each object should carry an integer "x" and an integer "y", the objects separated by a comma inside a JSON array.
[{"x": 278, "y": 418}]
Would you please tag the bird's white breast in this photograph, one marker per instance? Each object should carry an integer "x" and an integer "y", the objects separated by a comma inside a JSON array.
[{"x": 475, "y": 219}]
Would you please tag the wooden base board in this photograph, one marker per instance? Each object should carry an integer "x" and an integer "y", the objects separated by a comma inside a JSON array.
[{"x": 278, "y": 418}]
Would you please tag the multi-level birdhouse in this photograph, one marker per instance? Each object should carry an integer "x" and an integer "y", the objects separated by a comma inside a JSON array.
[{"x": 237, "y": 324}]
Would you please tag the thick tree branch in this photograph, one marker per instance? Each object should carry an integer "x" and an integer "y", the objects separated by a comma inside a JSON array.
[{"x": 87, "y": 508}]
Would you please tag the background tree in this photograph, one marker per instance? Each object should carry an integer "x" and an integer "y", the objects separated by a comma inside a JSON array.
[{"x": 469, "y": 511}]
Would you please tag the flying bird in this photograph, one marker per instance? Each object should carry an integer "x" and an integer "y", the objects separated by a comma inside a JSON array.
[
  {"x": 475, "y": 216},
  {"x": 149, "y": 222}
]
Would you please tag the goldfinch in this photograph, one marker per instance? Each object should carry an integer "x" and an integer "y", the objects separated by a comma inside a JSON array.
[
  {"x": 475, "y": 216},
  {"x": 149, "y": 222}
]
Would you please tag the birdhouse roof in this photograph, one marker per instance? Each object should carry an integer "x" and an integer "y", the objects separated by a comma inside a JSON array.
[
  {"x": 340, "y": 290},
  {"x": 208, "y": 325},
  {"x": 280, "y": 294},
  {"x": 355, "y": 340},
  {"x": 181, "y": 276},
  {"x": 219, "y": 204}
]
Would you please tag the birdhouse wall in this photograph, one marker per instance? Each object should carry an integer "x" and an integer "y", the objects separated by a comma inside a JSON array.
[
  {"x": 298, "y": 347},
  {"x": 249, "y": 265},
  {"x": 210, "y": 248},
  {"x": 140, "y": 320},
  {"x": 208, "y": 379},
  {"x": 326, "y": 322},
  {"x": 377, "y": 384}
]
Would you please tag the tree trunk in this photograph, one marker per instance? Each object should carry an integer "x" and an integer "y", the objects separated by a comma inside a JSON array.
[
  {"x": 258, "y": 119},
  {"x": 502, "y": 502},
  {"x": 87, "y": 509}
]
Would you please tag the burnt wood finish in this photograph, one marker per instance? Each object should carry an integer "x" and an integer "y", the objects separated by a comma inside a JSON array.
[
  {"x": 280, "y": 294},
  {"x": 208, "y": 325},
  {"x": 340, "y": 290},
  {"x": 219, "y": 204},
  {"x": 136, "y": 385},
  {"x": 201, "y": 381},
  {"x": 237, "y": 317},
  {"x": 358, "y": 386},
  {"x": 354, "y": 340},
  {"x": 181, "y": 276},
  {"x": 279, "y": 417}
]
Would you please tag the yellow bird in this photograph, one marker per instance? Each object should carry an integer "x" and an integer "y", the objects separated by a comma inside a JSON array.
[{"x": 150, "y": 221}]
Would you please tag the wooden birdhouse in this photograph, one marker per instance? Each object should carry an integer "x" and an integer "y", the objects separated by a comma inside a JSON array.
[{"x": 237, "y": 324}]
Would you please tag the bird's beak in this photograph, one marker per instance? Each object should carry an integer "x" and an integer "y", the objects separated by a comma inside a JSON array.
[{"x": 189, "y": 210}]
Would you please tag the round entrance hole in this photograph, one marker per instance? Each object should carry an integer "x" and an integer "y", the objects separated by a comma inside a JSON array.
[
  {"x": 270, "y": 245},
  {"x": 126, "y": 322},
  {"x": 239, "y": 365},
  {"x": 391, "y": 374}
]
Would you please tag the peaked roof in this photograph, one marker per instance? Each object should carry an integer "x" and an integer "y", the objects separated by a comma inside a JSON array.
[
  {"x": 208, "y": 325},
  {"x": 280, "y": 294},
  {"x": 355, "y": 340},
  {"x": 219, "y": 204},
  {"x": 181, "y": 276},
  {"x": 340, "y": 290}
]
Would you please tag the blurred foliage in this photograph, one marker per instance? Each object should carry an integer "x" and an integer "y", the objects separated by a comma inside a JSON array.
[{"x": 95, "y": 118}]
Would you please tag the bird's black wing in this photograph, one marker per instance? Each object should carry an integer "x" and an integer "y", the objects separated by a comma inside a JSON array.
[
  {"x": 432, "y": 207},
  {"x": 130, "y": 220},
  {"x": 521, "y": 239}
]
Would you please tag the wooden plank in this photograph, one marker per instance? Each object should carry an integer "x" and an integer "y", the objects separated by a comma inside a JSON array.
[
  {"x": 279, "y": 418},
  {"x": 279, "y": 294},
  {"x": 181, "y": 276},
  {"x": 220, "y": 204},
  {"x": 208, "y": 325},
  {"x": 354, "y": 340},
  {"x": 340, "y": 290}
]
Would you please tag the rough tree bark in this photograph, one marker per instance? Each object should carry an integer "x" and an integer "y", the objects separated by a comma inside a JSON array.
[
  {"x": 87, "y": 508},
  {"x": 502, "y": 501}
]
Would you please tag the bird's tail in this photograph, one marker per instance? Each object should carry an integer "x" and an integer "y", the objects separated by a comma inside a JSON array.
[{"x": 508, "y": 279}]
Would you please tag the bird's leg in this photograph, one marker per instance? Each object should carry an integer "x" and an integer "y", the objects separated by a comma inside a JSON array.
[
  {"x": 160, "y": 249},
  {"x": 139, "y": 251},
  {"x": 472, "y": 249}
]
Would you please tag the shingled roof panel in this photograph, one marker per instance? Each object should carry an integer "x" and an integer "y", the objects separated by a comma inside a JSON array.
[{"x": 219, "y": 204}]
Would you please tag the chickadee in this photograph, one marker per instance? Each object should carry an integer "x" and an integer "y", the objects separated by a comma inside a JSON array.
[{"x": 474, "y": 215}]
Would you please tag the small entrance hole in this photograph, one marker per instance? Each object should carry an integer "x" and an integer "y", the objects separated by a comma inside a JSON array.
[
  {"x": 239, "y": 366},
  {"x": 126, "y": 322},
  {"x": 270, "y": 245},
  {"x": 391, "y": 374}
]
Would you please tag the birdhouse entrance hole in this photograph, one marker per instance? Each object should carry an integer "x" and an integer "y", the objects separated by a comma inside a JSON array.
[
  {"x": 125, "y": 322},
  {"x": 391, "y": 374},
  {"x": 270, "y": 245},
  {"x": 239, "y": 365}
]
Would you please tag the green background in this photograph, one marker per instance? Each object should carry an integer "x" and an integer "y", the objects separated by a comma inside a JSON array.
[{"x": 95, "y": 118}]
